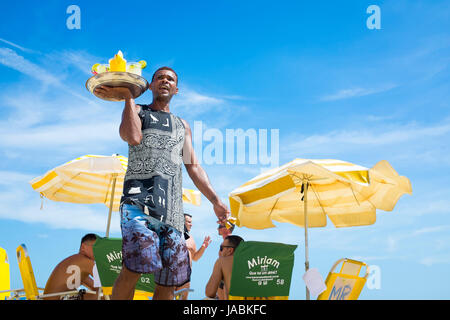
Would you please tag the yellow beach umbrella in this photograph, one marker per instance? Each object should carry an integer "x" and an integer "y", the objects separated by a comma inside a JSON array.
[
  {"x": 92, "y": 179},
  {"x": 304, "y": 192}
]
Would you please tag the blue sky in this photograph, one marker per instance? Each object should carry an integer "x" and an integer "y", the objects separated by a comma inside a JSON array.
[{"x": 311, "y": 69}]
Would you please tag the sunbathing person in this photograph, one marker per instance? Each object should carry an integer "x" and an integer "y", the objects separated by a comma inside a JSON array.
[
  {"x": 222, "y": 268},
  {"x": 74, "y": 271}
]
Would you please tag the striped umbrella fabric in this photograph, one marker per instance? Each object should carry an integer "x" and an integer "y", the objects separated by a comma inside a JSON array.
[
  {"x": 347, "y": 193},
  {"x": 92, "y": 179},
  {"x": 89, "y": 179},
  {"x": 304, "y": 192}
]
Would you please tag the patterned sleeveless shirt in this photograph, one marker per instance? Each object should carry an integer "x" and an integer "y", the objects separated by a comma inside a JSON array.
[{"x": 154, "y": 174}]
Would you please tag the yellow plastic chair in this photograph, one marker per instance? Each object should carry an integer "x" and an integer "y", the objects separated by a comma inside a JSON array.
[
  {"x": 29, "y": 281},
  {"x": 4, "y": 275},
  {"x": 5, "y": 284},
  {"x": 346, "y": 284}
]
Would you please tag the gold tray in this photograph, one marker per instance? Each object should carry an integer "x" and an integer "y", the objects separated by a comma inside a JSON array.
[{"x": 135, "y": 83}]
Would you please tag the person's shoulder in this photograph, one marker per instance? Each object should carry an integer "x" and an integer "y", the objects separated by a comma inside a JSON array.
[
  {"x": 190, "y": 243},
  {"x": 225, "y": 260},
  {"x": 80, "y": 259},
  {"x": 184, "y": 122},
  {"x": 142, "y": 107}
]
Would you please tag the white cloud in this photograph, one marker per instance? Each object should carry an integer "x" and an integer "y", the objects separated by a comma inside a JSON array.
[
  {"x": 10, "y": 58},
  {"x": 12, "y": 44},
  {"x": 356, "y": 92},
  {"x": 436, "y": 259},
  {"x": 13, "y": 177},
  {"x": 404, "y": 142},
  {"x": 193, "y": 103},
  {"x": 429, "y": 230}
]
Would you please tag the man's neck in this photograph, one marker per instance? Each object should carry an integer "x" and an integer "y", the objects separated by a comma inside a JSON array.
[{"x": 160, "y": 105}]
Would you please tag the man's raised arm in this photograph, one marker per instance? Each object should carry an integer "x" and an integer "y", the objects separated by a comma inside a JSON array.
[{"x": 131, "y": 126}]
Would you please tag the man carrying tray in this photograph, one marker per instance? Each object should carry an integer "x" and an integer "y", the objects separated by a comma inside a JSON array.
[{"x": 152, "y": 218}]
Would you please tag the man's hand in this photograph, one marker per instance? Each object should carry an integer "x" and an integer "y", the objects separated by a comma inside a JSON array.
[
  {"x": 222, "y": 212},
  {"x": 117, "y": 93},
  {"x": 206, "y": 242}
]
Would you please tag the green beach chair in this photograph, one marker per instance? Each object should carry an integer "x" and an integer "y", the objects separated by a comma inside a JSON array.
[
  {"x": 262, "y": 271},
  {"x": 108, "y": 258}
]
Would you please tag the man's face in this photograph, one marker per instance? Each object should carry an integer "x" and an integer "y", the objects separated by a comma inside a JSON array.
[
  {"x": 164, "y": 84},
  {"x": 188, "y": 222},
  {"x": 87, "y": 250},
  {"x": 223, "y": 231},
  {"x": 226, "y": 249}
]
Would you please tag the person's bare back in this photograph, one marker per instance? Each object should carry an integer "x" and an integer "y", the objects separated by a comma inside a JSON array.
[
  {"x": 69, "y": 274},
  {"x": 73, "y": 271},
  {"x": 226, "y": 265}
]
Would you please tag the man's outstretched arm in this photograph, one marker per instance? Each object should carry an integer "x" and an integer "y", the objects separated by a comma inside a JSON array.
[
  {"x": 199, "y": 253},
  {"x": 200, "y": 178}
]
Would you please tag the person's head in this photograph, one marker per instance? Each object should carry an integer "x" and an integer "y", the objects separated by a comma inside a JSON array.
[
  {"x": 229, "y": 245},
  {"x": 87, "y": 242},
  {"x": 188, "y": 221},
  {"x": 164, "y": 83}
]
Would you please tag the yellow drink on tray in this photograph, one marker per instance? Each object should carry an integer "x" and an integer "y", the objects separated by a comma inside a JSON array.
[{"x": 118, "y": 63}]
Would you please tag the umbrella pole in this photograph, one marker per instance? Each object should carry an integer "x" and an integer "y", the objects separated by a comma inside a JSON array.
[
  {"x": 305, "y": 214},
  {"x": 111, "y": 202}
]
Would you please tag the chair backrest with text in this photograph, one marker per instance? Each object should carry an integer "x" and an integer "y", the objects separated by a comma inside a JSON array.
[
  {"x": 108, "y": 258},
  {"x": 262, "y": 270},
  {"x": 346, "y": 284}
]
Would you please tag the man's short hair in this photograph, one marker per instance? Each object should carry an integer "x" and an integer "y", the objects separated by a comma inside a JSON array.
[
  {"x": 165, "y": 68},
  {"x": 187, "y": 214},
  {"x": 89, "y": 237},
  {"x": 234, "y": 240}
]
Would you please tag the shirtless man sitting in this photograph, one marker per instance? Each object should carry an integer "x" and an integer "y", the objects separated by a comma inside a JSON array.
[
  {"x": 222, "y": 267},
  {"x": 74, "y": 271}
]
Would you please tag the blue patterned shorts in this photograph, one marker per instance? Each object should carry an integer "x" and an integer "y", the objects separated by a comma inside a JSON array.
[{"x": 151, "y": 246}]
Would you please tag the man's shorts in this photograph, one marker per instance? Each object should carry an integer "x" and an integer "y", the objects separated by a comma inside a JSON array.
[{"x": 151, "y": 246}]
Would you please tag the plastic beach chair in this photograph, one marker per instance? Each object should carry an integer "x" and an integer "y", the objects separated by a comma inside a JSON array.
[
  {"x": 346, "y": 284},
  {"x": 262, "y": 271},
  {"x": 6, "y": 293},
  {"x": 5, "y": 290},
  {"x": 4, "y": 275},
  {"x": 29, "y": 282},
  {"x": 108, "y": 258}
]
